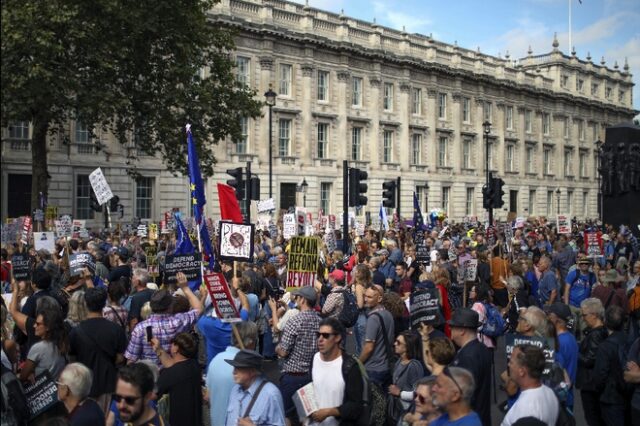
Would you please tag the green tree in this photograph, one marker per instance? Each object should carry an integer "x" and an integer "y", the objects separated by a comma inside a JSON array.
[{"x": 124, "y": 66}]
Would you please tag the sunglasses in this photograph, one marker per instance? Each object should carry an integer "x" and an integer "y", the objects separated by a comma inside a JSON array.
[
  {"x": 447, "y": 373},
  {"x": 325, "y": 335},
  {"x": 421, "y": 399},
  {"x": 129, "y": 400}
]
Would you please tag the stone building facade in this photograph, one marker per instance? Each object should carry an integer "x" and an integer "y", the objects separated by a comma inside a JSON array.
[{"x": 391, "y": 103}]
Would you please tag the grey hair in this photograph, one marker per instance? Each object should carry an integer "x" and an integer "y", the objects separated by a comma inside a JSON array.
[
  {"x": 465, "y": 380},
  {"x": 537, "y": 319},
  {"x": 593, "y": 306},
  {"x": 375, "y": 261},
  {"x": 77, "y": 307},
  {"x": 142, "y": 275},
  {"x": 426, "y": 381},
  {"x": 78, "y": 379},
  {"x": 515, "y": 282},
  {"x": 248, "y": 332}
]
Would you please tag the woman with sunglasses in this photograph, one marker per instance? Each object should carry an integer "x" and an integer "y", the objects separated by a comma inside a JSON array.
[
  {"x": 406, "y": 372},
  {"x": 425, "y": 412}
]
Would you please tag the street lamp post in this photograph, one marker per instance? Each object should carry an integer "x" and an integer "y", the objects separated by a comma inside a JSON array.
[
  {"x": 426, "y": 198},
  {"x": 558, "y": 201},
  {"x": 599, "y": 144},
  {"x": 270, "y": 97},
  {"x": 487, "y": 130},
  {"x": 304, "y": 186}
]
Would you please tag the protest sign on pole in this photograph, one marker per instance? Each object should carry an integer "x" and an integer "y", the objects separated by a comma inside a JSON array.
[
  {"x": 26, "y": 230},
  {"x": 470, "y": 270},
  {"x": 44, "y": 240},
  {"x": 64, "y": 226},
  {"x": 236, "y": 241},
  {"x": 425, "y": 307},
  {"x": 153, "y": 231},
  {"x": 302, "y": 265},
  {"x": 221, "y": 297},
  {"x": 151, "y": 256},
  {"x": 593, "y": 244},
  {"x": 289, "y": 226},
  {"x": 266, "y": 205},
  {"x": 189, "y": 264},
  {"x": 100, "y": 186},
  {"x": 564, "y": 224}
]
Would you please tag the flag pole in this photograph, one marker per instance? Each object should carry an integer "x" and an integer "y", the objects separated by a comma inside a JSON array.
[{"x": 193, "y": 212}]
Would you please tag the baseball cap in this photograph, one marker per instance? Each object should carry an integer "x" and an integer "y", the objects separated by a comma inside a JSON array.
[
  {"x": 337, "y": 275},
  {"x": 307, "y": 292},
  {"x": 561, "y": 310}
]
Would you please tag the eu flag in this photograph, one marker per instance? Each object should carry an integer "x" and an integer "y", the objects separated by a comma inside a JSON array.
[
  {"x": 418, "y": 220},
  {"x": 183, "y": 241},
  {"x": 198, "y": 199}
]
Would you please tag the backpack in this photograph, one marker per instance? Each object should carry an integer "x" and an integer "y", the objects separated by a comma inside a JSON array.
[
  {"x": 373, "y": 401},
  {"x": 349, "y": 314},
  {"x": 15, "y": 410},
  {"x": 494, "y": 325}
]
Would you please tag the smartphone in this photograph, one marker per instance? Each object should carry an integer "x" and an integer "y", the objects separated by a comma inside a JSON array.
[{"x": 149, "y": 333}]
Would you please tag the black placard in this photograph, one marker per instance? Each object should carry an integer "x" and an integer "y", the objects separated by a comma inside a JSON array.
[
  {"x": 41, "y": 395},
  {"x": 422, "y": 251},
  {"x": 511, "y": 340},
  {"x": 189, "y": 264},
  {"x": 425, "y": 307},
  {"x": 21, "y": 265},
  {"x": 79, "y": 261}
]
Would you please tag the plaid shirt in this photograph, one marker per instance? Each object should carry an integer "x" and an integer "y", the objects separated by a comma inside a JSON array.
[
  {"x": 165, "y": 327},
  {"x": 335, "y": 302},
  {"x": 116, "y": 314},
  {"x": 299, "y": 341}
]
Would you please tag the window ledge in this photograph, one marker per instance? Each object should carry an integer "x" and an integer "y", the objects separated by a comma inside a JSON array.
[
  {"x": 324, "y": 162},
  {"x": 288, "y": 159},
  {"x": 243, "y": 157},
  {"x": 390, "y": 166},
  {"x": 419, "y": 167}
]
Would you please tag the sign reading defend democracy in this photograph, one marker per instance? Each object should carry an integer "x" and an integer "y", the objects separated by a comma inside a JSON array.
[
  {"x": 302, "y": 265},
  {"x": 21, "y": 265},
  {"x": 425, "y": 307},
  {"x": 79, "y": 261},
  {"x": 511, "y": 340},
  {"x": 221, "y": 297},
  {"x": 41, "y": 395},
  {"x": 189, "y": 264}
]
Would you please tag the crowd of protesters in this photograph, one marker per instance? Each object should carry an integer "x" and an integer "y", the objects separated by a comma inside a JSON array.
[{"x": 124, "y": 347}]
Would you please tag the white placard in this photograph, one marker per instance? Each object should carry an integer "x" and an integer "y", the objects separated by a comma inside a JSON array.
[
  {"x": 263, "y": 222},
  {"x": 100, "y": 186},
  {"x": 289, "y": 226},
  {"x": 64, "y": 226},
  {"x": 266, "y": 205},
  {"x": 564, "y": 224},
  {"x": 360, "y": 228},
  {"x": 235, "y": 240},
  {"x": 44, "y": 240}
]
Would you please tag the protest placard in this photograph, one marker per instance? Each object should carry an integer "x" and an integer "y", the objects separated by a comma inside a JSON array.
[
  {"x": 64, "y": 226},
  {"x": 44, "y": 240},
  {"x": 422, "y": 251},
  {"x": 330, "y": 240},
  {"x": 151, "y": 256},
  {"x": 100, "y": 186},
  {"x": 564, "y": 224},
  {"x": 236, "y": 241},
  {"x": 266, "y": 205},
  {"x": 153, "y": 231},
  {"x": 221, "y": 297},
  {"x": 79, "y": 261},
  {"x": 289, "y": 226},
  {"x": 303, "y": 262},
  {"x": 142, "y": 230},
  {"x": 41, "y": 395},
  {"x": 21, "y": 265},
  {"x": 38, "y": 215},
  {"x": 273, "y": 231},
  {"x": 189, "y": 264},
  {"x": 425, "y": 307},
  {"x": 511, "y": 340},
  {"x": 470, "y": 270},
  {"x": 26, "y": 230},
  {"x": 593, "y": 244}
]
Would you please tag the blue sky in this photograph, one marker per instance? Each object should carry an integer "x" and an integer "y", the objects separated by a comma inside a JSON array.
[{"x": 609, "y": 28}]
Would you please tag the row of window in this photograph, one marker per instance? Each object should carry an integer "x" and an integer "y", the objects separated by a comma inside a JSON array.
[
  {"x": 595, "y": 88},
  {"x": 143, "y": 198}
]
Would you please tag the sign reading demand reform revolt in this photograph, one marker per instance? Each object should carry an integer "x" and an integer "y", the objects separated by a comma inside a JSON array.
[{"x": 303, "y": 262}]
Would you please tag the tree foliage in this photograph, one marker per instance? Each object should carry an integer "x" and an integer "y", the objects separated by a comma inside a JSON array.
[{"x": 129, "y": 67}]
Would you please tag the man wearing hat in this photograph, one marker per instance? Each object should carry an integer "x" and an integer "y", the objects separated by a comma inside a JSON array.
[
  {"x": 577, "y": 288},
  {"x": 164, "y": 325},
  {"x": 253, "y": 400},
  {"x": 567, "y": 352},
  {"x": 473, "y": 356},
  {"x": 297, "y": 346}
]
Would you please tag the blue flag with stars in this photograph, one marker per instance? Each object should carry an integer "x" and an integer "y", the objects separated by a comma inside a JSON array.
[
  {"x": 198, "y": 199},
  {"x": 418, "y": 220},
  {"x": 183, "y": 241}
]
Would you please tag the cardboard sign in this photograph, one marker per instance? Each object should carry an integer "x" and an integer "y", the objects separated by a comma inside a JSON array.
[
  {"x": 21, "y": 265},
  {"x": 100, "y": 186},
  {"x": 221, "y": 297},
  {"x": 151, "y": 256},
  {"x": 564, "y": 224},
  {"x": 38, "y": 215},
  {"x": 470, "y": 269},
  {"x": 273, "y": 231},
  {"x": 79, "y": 261},
  {"x": 593, "y": 244},
  {"x": 302, "y": 265},
  {"x": 41, "y": 395},
  {"x": 511, "y": 340},
  {"x": 189, "y": 264},
  {"x": 330, "y": 240},
  {"x": 142, "y": 231},
  {"x": 425, "y": 307},
  {"x": 64, "y": 226},
  {"x": 266, "y": 205},
  {"x": 422, "y": 251},
  {"x": 236, "y": 241},
  {"x": 44, "y": 240},
  {"x": 26, "y": 230},
  {"x": 301, "y": 220},
  {"x": 289, "y": 226}
]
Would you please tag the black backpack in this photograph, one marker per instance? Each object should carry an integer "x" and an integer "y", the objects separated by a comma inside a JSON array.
[
  {"x": 14, "y": 407},
  {"x": 350, "y": 311}
]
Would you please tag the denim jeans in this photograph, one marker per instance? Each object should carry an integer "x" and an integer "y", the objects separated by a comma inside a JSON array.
[
  {"x": 358, "y": 332},
  {"x": 289, "y": 384}
]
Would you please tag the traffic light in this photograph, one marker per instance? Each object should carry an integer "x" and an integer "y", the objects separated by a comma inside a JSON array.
[
  {"x": 113, "y": 203},
  {"x": 357, "y": 187},
  {"x": 93, "y": 202},
  {"x": 497, "y": 192},
  {"x": 254, "y": 188},
  {"x": 389, "y": 194},
  {"x": 237, "y": 182},
  {"x": 487, "y": 197}
]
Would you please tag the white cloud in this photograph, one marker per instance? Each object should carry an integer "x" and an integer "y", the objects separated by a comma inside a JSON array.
[{"x": 385, "y": 14}]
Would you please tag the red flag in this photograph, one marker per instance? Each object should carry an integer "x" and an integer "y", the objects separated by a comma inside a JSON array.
[{"x": 229, "y": 207}]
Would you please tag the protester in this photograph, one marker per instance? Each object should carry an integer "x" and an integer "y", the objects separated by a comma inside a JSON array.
[
  {"x": 379, "y": 334},
  {"x": 334, "y": 302},
  {"x": 74, "y": 385},
  {"x": 142, "y": 294},
  {"x": 134, "y": 391},
  {"x": 425, "y": 410},
  {"x": 114, "y": 311},
  {"x": 452, "y": 393},
  {"x": 548, "y": 284},
  {"x": 361, "y": 281},
  {"x": 577, "y": 288},
  {"x": 407, "y": 370},
  {"x": 567, "y": 351},
  {"x": 439, "y": 353}
]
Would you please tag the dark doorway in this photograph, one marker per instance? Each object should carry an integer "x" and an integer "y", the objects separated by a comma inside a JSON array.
[
  {"x": 19, "y": 195},
  {"x": 287, "y": 195},
  {"x": 513, "y": 201}
]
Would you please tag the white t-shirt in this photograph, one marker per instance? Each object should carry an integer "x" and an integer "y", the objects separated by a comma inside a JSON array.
[
  {"x": 328, "y": 385},
  {"x": 540, "y": 403}
]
